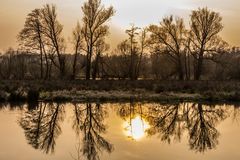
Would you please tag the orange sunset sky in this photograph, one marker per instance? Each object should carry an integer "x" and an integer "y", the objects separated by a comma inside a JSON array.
[{"x": 140, "y": 12}]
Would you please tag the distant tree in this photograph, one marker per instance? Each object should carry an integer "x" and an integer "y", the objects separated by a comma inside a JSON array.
[
  {"x": 161, "y": 66},
  {"x": 131, "y": 52},
  {"x": 94, "y": 28},
  {"x": 9, "y": 63},
  {"x": 143, "y": 45},
  {"x": 170, "y": 35},
  {"x": 203, "y": 38},
  {"x": 133, "y": 33},
  {"x": 119, "y": 62},
  {"x": 77, "y": 41},
  {"x": 100, "y": 48}
]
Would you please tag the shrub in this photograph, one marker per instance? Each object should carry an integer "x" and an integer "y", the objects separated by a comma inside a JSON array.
[
  {"x": 209, "y": 95},
  {"x": 234, "y": 97},
  {"x": 18, "y": 95},
  {"x": 33, "y": 95},
  {"x": 159, "y": 89},
  {"x": 3, "y": 96}
]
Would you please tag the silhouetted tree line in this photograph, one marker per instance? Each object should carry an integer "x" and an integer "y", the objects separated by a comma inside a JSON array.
[{"x": 168, "y": 50}]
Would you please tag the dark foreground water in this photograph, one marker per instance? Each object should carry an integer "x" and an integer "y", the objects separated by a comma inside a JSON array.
[{"x": 129, "y": 131}]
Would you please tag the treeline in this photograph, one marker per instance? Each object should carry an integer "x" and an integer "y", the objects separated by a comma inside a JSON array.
[{"x": 168, "y": 50}]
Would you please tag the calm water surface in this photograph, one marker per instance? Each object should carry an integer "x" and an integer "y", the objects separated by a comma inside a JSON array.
[{"x": 127, "y": 131}]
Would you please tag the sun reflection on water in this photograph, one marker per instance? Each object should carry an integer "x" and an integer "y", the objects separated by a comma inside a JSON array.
[{"x": 135, "y": 128}]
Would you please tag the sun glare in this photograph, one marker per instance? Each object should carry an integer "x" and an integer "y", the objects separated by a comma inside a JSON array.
[{"x": 135, "y": 128}]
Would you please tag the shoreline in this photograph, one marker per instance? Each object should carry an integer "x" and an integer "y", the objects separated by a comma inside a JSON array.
[
  {"x": 123, "y": 96},
  {"x": 120, "y": 90}
]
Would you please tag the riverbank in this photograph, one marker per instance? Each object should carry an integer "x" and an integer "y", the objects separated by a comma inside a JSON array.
[
  {"x": 120, "y": 90},
  {"x": 126, "y": 96},
  {"x": 122, "y": 85}
]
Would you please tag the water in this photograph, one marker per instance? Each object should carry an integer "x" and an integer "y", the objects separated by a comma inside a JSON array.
[{"x": 119, "y": 131}]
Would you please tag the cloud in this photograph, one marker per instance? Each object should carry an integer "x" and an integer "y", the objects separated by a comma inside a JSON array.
[{"x": 142, "y": 13}]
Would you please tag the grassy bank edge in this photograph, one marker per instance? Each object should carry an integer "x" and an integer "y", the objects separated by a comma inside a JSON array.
[{"x": 118, "y": 96}]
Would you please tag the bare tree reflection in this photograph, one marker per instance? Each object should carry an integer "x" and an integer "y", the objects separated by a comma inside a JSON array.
[
  {"x": 4, "y": 106},
  {"x": 168, "y": 120},
  {"x": 199, "y": 121},
  {"x": 133, "y": 115},
  {"x": 129, "y": 111},
  {"x": 202, "y": 131},
  {"x": 89, "y": 120},
  {"x": 236, "y": 113},
  {"x": 126, "y": 111},
  {"x": 42, "y": 125}
]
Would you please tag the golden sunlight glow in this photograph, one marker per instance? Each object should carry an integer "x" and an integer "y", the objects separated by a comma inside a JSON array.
[{"x": 135, "y": 128}]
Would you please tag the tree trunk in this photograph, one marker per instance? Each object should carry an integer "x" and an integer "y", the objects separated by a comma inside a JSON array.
[
  {"x": 88, "y": 69},
  {"x": 47, "y": 67},
  {"x": 180, "y": 71},
  {"x": 198, "y": 71},
  {"x": 41, "y": 61},
  {"x": 95, "y": 69},
  {"x": 138, "y": 65},
  {"x": 74, "y": 67},
  {"x": 62, "y": 67},
  {"x": 89, "y": 59}
]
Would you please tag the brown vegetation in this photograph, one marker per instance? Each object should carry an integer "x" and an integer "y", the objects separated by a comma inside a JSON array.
[{"x": 124, "y": 90}]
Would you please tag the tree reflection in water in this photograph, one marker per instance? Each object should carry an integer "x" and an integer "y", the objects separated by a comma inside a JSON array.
[
  {"x": 236, "y": 113},
  {"x": 42, "y": 125},
  {"x": 202, "y": 131},
  {"x": 167, "y": 120},
  {"x": 89, "y": 120},
  {"x": 134, "y": 120},
  {"x": 171, "y": 121}
]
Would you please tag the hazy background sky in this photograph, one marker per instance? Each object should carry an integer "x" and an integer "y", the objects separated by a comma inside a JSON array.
[{"x": 140, "y": 12}]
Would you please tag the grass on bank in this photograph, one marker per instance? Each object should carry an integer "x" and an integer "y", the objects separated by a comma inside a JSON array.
[{"x": 124, "y": 90}]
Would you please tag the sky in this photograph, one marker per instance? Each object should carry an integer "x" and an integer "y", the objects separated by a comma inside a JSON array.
[{"x": 140, "y": 12}]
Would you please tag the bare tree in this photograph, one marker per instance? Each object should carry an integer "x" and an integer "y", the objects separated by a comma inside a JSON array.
[
  {"x": 53, "y": 32},
  {"x": 132, "y": 50},
  {"x": 77, "y": 43},
  {"x": 31, "y": 36},
  {"x": 205, "y": 26},
  {"x": 133, "y": 33},
  {"x": 94, "y": 27},
  {"x": 143, "y": 45},
  {"x": 171, "y": 34}
]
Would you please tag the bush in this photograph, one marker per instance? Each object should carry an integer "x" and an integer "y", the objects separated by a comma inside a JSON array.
[
  {"x": 16, "y": 96},
  {"x": 33, "y": 95},
  {"x": 234, "y": 97},
  {"x": 3, "y": 96},
  {"x": 210, "y": 96},
  {"x": 159, "y": 89}
]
